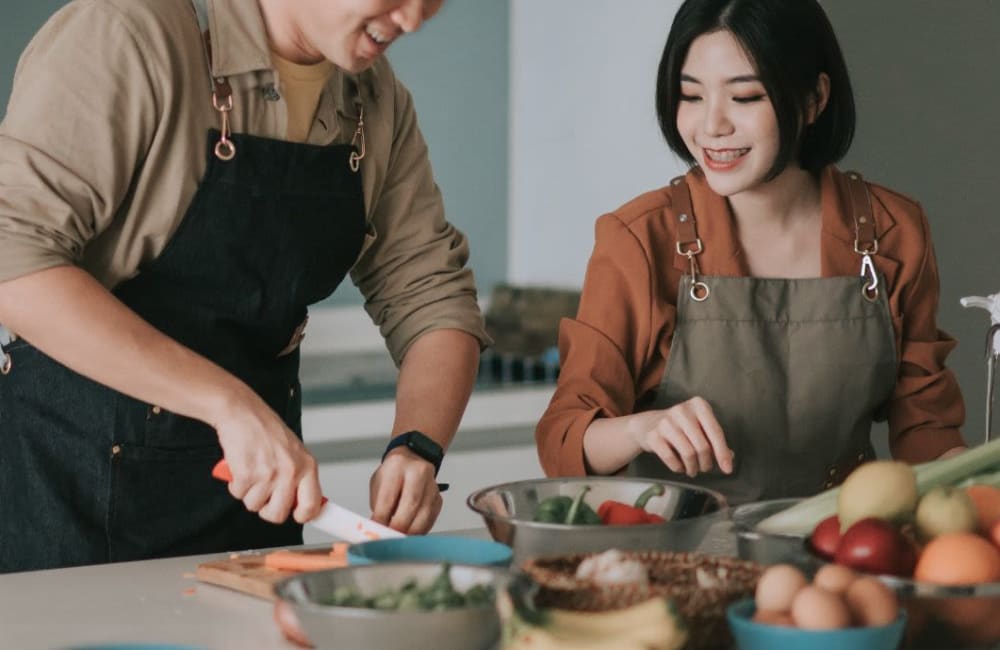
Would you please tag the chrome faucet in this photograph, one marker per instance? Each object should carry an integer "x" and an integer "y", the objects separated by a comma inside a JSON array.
[{"x": 992, "y": 305}]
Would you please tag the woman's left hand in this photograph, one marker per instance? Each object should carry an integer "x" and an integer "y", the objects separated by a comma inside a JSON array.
[{"x": 404, "y": 493}]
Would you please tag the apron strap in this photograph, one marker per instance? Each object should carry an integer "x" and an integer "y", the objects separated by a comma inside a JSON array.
[
  {"x": 865, "y": 233},
  {"x": 865, "y": 236},
  {"x": 222, "y": 93},
  {"x": 688, "y": 243}
]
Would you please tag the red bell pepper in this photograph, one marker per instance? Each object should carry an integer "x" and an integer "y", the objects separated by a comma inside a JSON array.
[{"x": 616, "y": 513}]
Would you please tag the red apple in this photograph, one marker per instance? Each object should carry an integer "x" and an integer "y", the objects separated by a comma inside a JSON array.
[
  {"x": 826, "y": 537},
  {"x": 876, "y": 546}
]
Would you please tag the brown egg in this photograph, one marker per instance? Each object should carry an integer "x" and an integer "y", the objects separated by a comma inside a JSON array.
[
  {"x": 834, "y": 578},
  {"x": 767, "y": 617},
  {"x": 777, "y": 587},
  {"x": 815, "y": 608},
  {"x": 871, "y": 603}
]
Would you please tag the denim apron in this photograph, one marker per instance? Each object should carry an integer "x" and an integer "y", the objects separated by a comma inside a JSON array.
[
  {"x": 89, "y": 475},
  {"x": 795, "y": 370}
]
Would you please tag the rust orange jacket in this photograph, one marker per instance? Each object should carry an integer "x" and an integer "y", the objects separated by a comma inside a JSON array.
[{"x": 614, "y": 352}]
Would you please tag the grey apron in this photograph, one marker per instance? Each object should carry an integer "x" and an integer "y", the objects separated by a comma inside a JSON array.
[{"x": 795, "y": 370}]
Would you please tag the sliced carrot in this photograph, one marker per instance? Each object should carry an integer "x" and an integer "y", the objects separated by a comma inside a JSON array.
[{"x": 301, "y": 561}]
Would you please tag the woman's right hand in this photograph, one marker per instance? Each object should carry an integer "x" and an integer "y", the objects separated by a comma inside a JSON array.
[
  {"x": 686, "y": 437},
  {"x": 273, "y": 473}
]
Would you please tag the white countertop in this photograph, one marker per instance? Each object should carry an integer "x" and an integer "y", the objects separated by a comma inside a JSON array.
[{"x": 154, "y": 601}]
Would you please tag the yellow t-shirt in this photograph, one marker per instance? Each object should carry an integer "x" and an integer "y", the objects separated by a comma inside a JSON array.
[{"x": 301, "y": 86}]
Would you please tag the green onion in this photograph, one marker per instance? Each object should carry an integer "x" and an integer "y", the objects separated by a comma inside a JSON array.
[{"x": 801, "y": 518}]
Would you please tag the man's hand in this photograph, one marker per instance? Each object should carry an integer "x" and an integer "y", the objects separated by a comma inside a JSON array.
[
  {"x": 273, "y": 473},
  {"x": 404, "y": 493}
]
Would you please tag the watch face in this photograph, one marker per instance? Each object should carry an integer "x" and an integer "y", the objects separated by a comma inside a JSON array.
[{"x": 424, "y": 446}]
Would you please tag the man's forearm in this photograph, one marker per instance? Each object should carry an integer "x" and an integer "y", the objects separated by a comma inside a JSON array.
[
  {"x": 68, "y": 315},
  {"x": 435, "y": 381}
]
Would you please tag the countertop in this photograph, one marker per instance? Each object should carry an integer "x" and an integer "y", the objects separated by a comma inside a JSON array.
[{"x": 156, "y": 602}]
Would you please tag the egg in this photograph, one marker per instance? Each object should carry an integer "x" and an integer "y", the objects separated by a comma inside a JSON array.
[
  {"x": 815, "y": 608},
  {"x": 834, "y": 578},
  {"x": 767, "y": 617},
  {"x": 871, "y": 603},
  {"x": 777, "y": 588}
]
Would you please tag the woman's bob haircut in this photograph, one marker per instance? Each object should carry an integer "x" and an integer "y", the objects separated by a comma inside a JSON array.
[{"x": 789, "y": 43}]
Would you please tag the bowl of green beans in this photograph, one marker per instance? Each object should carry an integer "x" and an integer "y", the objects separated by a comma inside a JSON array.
[{"x": 397, "y": 605}]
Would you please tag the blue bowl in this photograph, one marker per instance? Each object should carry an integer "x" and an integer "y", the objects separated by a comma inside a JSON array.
[
  {"x": 431, "y": 548},
  {"x": 750, "y": 635}
]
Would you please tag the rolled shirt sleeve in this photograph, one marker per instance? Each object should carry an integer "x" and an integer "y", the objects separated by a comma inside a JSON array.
[
  {"x": 414, "y": 276},
  {"x": 81, "y": 113},
  {"x": 926, "y": 408},
  {"x": 603, "y": 351}
]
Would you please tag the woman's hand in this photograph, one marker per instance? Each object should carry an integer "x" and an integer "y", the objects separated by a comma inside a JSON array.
[
  {"x": 404, "y": 493},
  {"x": 686, "y": 437},
  {"x": 273, "y": 473}
]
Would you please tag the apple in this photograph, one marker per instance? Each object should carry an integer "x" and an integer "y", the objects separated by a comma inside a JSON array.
[
  {"x": 826, "y": 537},
  {"x": 875, "y": 546}
]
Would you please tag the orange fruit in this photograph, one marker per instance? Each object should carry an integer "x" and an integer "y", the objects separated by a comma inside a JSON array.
[
  {"x": 986, "y": 498},
  {"x": 994, "y": 533},
  {"x": 958, "y": 559}
]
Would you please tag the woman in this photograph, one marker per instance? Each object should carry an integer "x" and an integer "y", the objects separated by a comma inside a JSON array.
[
  {"x": 742, "y": 327},
  {"x": 178, "y": 182}
]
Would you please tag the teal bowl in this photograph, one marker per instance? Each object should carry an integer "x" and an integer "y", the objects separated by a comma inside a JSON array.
[
  {"x": 750, "y": 635},
  {"x": 431, "y": 548}
]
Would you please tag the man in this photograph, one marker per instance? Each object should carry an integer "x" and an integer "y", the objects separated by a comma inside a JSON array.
[{"x": 157, "y": 279}]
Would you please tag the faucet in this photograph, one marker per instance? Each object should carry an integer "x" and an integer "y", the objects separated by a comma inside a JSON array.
[{"x": 991, "y": 304}]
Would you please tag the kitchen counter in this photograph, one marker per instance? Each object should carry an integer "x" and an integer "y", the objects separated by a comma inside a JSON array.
[{"x": 155, "y": 601}]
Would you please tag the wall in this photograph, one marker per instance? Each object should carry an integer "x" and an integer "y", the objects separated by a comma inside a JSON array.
[{"x": 583, "y": 136}]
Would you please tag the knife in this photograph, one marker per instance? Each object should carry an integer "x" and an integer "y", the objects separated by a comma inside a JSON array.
[{"x": 333, "y": 519}]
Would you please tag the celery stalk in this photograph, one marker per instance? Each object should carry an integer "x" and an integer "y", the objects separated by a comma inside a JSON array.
[{"x": 801, "y": 518}]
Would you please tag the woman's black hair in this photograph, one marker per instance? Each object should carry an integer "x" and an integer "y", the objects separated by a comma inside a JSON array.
[{"x": 789, "y": 43}]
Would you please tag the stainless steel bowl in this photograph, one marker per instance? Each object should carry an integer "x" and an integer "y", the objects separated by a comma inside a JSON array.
[
  {"x": 768, "y": 548},
  {"x": 355, "y": 628},
  {"x": 508, "y": 510}
]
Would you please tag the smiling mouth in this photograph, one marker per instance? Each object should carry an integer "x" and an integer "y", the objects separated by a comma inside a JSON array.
[
  {"x": 725, "y": 155},
  {"x": 380, "y": 39}
]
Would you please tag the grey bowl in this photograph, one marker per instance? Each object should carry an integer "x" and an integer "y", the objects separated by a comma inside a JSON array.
[
  {"x": 355, "y": 628},
  {"x": 508, "y": 509},
  {"x": 768, "y": 548}
]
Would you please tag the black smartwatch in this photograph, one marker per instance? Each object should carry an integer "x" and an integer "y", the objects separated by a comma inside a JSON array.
[{"x": 419, "y": 444}]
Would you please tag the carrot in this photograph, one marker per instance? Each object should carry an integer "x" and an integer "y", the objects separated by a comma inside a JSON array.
[{"x": 301, "y": 561}]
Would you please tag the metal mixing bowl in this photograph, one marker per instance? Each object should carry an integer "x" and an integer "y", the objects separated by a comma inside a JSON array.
[
  {"x": 355, "y": 628},
  {"x": 768, "y": 548},
  {"x": 508, "y": 510}
]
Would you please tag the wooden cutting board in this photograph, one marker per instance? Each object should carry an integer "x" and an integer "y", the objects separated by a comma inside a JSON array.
[{"x": 246, "y": 572}]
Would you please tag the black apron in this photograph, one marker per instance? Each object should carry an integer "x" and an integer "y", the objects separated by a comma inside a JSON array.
[{"x": 89, "y": 475}]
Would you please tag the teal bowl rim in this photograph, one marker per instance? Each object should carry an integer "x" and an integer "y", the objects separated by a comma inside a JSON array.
[
  {"x": 501, "y": 553},
  {"x": 738, "y": 615}
]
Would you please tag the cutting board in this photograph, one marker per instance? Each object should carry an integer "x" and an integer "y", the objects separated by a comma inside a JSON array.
[{"x": 246, "y": 572}]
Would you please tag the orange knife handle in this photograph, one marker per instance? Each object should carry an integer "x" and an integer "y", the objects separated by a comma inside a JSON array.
[{"x": 222, "y": 473}]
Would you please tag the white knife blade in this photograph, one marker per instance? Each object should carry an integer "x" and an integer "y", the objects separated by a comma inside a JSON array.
[
  {"x": 332, "y": 519},
  {"x": 349, "y": 526}
]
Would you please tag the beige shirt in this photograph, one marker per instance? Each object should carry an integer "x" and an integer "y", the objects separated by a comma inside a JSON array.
[
  {"x": 104, "y": 143},
  {"x": 301, "y": 85}
]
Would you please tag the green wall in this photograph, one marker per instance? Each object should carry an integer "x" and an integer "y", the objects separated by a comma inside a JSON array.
[{"x": 456, "y": 68}]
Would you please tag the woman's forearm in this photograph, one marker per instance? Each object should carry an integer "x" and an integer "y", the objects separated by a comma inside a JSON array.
[{"x": 609, "y": 444}]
